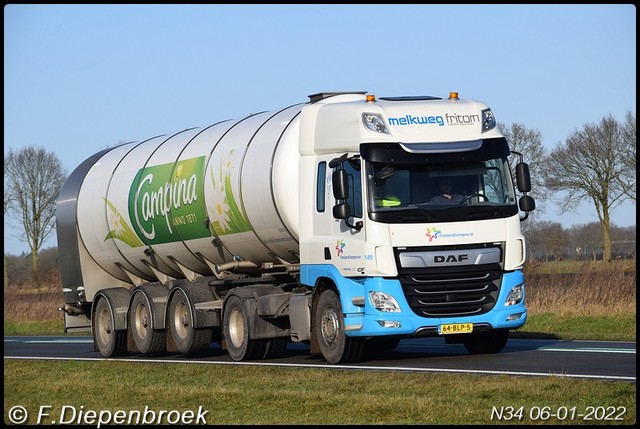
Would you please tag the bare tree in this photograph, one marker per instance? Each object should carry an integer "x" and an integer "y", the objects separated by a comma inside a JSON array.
[
  {"x": 624, "y": 242},
  {"x": 587, "y": 240},
  {"x": 555, "y": 240},
  {"x": 34, "y": 177},
  {"x": 628, "y": 177},
  {"x": 534, "y": 232},
  {"x": 529, "y": 144},
  {"x": 545, "y": 239},
  {"x": 8, "y": 204},
  {"x": 592, "y": 164}
]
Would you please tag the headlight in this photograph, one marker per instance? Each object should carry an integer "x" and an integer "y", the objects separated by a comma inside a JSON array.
[
  {"x": 516, "y": 294},
  {"x": 375, "y": 123},
  {"x": 383, "y": 302}
]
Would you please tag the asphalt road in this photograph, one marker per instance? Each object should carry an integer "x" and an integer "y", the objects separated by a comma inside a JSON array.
[{"x": 603, "y": 360}]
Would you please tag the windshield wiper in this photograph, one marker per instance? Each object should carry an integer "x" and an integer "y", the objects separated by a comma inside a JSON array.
[
  {"x": 416, "y": 214},
  {"x": 481, "y": 212}
]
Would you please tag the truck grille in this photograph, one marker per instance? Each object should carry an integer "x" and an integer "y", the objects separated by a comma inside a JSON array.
[{"x": 462, "y": 293}]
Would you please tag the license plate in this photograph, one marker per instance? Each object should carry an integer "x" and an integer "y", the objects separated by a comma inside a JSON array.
[{"x": 456, "y": 328}]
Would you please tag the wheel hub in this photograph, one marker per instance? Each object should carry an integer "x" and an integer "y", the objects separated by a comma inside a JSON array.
[{"x": 329, "y": 326}]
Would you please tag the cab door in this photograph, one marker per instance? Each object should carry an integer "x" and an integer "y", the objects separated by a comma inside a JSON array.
[{"x": 347, "y": 244}]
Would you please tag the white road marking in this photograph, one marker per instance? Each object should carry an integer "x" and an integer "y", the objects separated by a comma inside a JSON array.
[{"x": 331, "y": 366}]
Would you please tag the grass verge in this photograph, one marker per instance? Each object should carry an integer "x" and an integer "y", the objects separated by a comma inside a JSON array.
[{"x": 257, "y": 395}]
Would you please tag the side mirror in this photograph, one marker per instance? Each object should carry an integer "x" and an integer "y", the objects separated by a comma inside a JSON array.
[
  {"x": 523, "y": 179},
  {"x": 527, "y": 203},
  {"x": 342, "y": 211},
  {"x": 340, "y": 182}
]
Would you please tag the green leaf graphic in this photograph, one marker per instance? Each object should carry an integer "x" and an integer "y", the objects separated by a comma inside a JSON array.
[
  {"x": 237, "y": 221},
  {"x": 125, "y": 233}
]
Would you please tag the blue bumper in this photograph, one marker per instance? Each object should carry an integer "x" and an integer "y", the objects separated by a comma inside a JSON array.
[{"x": 363, "y": 320}]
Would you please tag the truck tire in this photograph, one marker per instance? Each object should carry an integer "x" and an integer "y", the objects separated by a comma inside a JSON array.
[
  {"x": 146, "y": 339},
  {"x": 187, "y": 339},
  {"x": 111, "y": 343},
  {"x": 335, "y": 346},
  {"x": 486, "y": 342},
  {"x": 236, "y": 332}
]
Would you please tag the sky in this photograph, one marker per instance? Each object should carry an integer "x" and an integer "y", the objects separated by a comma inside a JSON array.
[{"x": 81, "y": 78}]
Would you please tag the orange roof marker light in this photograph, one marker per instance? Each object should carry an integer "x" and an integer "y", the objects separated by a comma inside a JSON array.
[
  {"x": 453, "y": 95},
  {"x": 371, "y": 98}
]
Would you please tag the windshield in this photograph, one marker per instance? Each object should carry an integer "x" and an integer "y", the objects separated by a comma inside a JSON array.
[{"x": 465, "y": 190}]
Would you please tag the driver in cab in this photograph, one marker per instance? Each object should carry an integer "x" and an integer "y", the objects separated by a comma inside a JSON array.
[{"x": 446, "y": 195}]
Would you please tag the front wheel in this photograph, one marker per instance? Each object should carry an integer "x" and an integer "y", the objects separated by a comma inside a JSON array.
[
  {"x": 335, "y": 346},
  {"x": 110, "y": 342},
  {"x": 486, "y": 342}
]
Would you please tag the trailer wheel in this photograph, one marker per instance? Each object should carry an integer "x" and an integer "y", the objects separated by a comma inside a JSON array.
[
  {"x": 486, "y": 342},
  {"x": 146, "y": 339},
  {"x": 188, "y": 339},
  {"x": 110, "y": 342},
  {"x": 335, "y": 346},
  {"x": 236, "y": 332}
]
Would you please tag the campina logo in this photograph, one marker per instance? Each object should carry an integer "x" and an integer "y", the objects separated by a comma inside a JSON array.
[
  {"x": 340, "y": 247},
  {"x": 166, "y": 198},
  {"x": 432, "y": 233}
]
